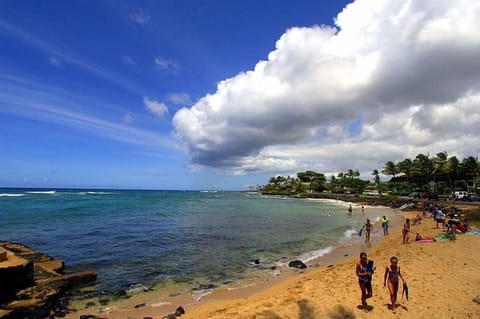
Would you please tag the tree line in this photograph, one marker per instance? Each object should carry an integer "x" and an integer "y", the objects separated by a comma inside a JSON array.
[{"x": 440, "y": 173}]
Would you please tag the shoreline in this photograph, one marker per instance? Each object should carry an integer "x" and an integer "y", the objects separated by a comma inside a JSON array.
[
  {"x": 159, "y": 303},
  {"x": 443, "y": 279}
]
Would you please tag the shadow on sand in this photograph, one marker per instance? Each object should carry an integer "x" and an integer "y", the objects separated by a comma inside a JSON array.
[{"x": 306, "y": 311}]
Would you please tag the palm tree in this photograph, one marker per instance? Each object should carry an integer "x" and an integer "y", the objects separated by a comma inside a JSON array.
[
  {"x": 423, "y": 167},
  {"x": 356, "y": 173},
  {"x": 350, "y": 173},
  {"x": 376, "y": 176},
  {"x": 440, "y": 163},
  {"x": 471, "y": 166},
  {"x": 405, "y": 167},
  {"x": 453, "y": 166},
  {"x": 390, "y": 169}
]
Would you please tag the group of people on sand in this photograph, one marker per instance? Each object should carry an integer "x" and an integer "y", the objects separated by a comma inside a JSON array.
[
  {"x": 453, "y": 225},
  {"x": 365, "y": 270}
]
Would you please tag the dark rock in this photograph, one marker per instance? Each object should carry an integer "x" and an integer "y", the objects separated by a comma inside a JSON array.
[
  {"x": 297, "y": 264},
  {"x": 257, "y": 262},
  {"x": 140, "y": 305},
  {"x": 147, "y": 318},
  {"x": 180, "y": 311},
  {"x": 204, "y": 287},
  {"x": 31, "y": 283},
  {"x": 17, "y": 276},
  {"x": 90, "y": 317}
]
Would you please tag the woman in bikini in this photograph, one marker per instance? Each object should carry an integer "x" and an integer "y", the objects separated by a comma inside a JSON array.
[
  {"x": 368, "y": 229},
  {"x": 406, "y": 231},
  {"x": 392, "y": 273},
  {"x": 364, "y": 272}
]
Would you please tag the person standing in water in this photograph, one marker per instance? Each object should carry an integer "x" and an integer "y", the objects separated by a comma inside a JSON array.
[
  {"x": 392, "y": 273},
  {"x": 368, "y": 229},
  {"x": 385, "y": 222}
]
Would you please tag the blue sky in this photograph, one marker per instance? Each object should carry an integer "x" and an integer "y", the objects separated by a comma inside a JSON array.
[{"x": 224, "y": 94}]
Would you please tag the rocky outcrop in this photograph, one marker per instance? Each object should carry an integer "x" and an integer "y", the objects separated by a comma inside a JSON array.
[
  {"x": 32, "y": 282},
  {"x": 297, "y": 264}
]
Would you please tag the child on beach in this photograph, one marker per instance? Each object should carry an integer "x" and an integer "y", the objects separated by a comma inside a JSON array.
[
  {"x": 364, "y": 272},
  {"x": 368, "y": 229},
  {"x": 406, "y": 231},
  {"x": 392, "y": 273}
]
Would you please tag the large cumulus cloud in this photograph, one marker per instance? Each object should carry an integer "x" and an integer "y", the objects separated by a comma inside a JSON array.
[{"x": 389, "y": 80}]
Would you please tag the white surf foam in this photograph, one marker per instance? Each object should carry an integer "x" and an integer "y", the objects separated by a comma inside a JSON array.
[{"x": 306, "y": 257}]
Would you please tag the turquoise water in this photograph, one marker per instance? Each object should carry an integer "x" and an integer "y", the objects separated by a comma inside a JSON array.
[{"x": 146, "y": 238}]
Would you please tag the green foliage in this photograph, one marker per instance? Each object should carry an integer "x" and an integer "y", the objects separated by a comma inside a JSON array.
[{"x": 448, "y": 173}]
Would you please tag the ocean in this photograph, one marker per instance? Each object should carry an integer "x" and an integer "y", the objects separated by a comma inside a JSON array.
[{"x": 153, "y": 239}]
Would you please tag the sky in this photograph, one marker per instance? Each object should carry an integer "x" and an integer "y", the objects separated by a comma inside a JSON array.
[{"x": 223, "y": 95}]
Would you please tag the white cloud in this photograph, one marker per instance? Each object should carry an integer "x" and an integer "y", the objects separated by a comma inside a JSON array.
[
  {"x": 180, "y": 99},
  {"x": 391, "y": 80},
  {"x": 139, "y": 16},
  {"x": 157, "y": 108}
]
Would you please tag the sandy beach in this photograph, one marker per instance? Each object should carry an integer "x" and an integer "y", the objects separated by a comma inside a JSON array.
[{"x": 443, "y": 280}]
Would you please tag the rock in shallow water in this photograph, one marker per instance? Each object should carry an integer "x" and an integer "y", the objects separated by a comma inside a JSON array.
[{"x": 297, "y": 264}]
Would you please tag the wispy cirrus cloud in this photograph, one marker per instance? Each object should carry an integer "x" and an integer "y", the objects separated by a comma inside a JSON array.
[
  {"x": 182, "y": 99},
  {"x": 55, "y": 61},
  {"x": 139, "y": 16},
  {"x": 38, "y": 102},
  {"x": 166, "y": 64},
  {"x": 159, "y": 109},
  {"x": 127, "y": 60},
  {"x": 57, "y": 57}
]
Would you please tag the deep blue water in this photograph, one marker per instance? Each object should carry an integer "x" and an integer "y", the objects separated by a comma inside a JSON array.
[{"x": 150, "y": 237}]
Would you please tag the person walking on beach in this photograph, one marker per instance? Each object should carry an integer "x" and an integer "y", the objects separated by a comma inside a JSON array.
[
  {"x": 406, "y": 231},
  {"x": 385, "y": 222},
  {"x": 364, "y": 272},
  {"x": 392, "y": 273},
  {"x": 368, "y": 229}
]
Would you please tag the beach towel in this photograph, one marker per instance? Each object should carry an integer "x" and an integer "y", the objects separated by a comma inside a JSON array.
[
  {"x": 360, "y": 232},
  {"x": 405, "y": 291},
  {"x": 370, "y": 266}
]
